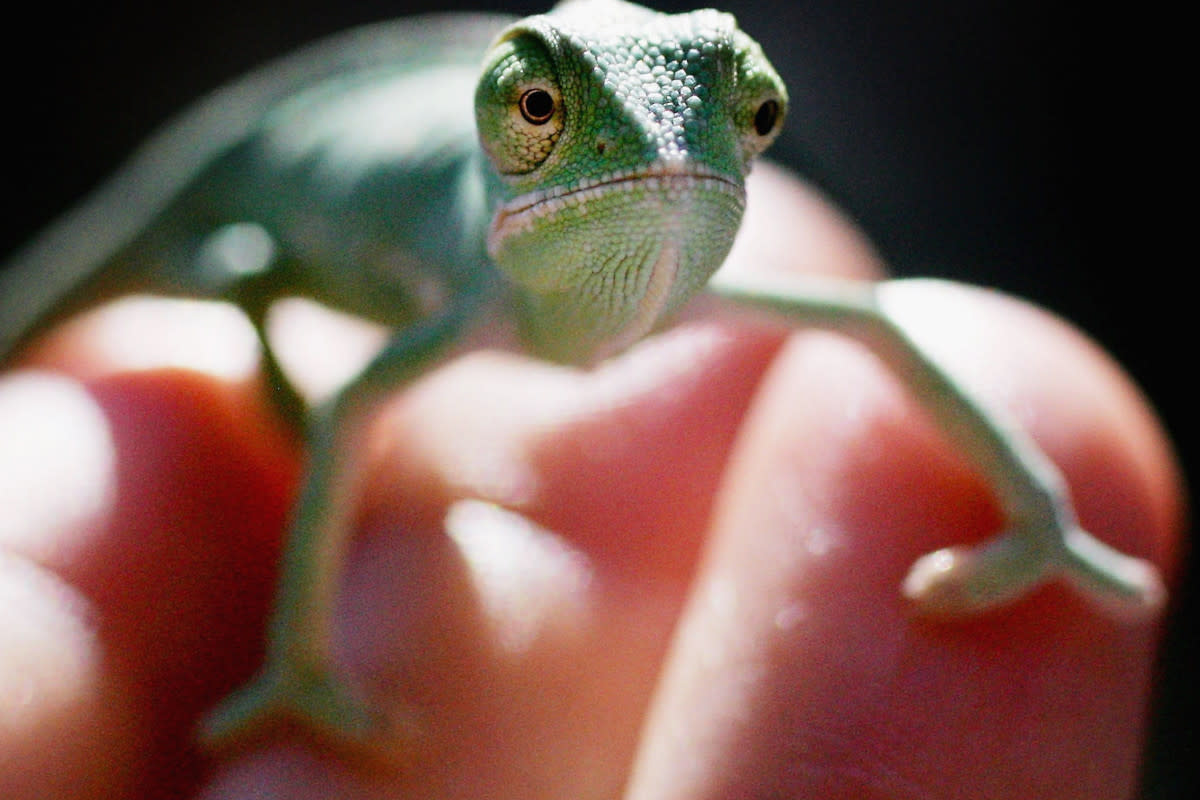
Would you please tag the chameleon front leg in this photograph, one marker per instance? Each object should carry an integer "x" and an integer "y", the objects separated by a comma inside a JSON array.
[
  {"x": 1042, "y": 539},
  {"x": 297, "y": 680}
]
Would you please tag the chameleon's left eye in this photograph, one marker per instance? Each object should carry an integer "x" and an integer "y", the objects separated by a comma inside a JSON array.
[
  {"x": 759, "y": 100},
  {"x": 759, "y": 115}
]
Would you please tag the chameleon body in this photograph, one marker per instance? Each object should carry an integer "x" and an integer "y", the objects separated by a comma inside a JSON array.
[{"x": 580, "y": 172}]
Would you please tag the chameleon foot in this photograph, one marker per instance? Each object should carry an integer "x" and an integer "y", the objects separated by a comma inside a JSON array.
[
  {"x": 961, "y": 581},
  {"x": 314, "y": 699}
]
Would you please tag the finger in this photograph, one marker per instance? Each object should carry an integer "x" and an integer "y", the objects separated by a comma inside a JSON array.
[
  {"x": 797, "y": 671},
  {"x": 523, "y": 647},
  {"x": 145, "y": 495}
]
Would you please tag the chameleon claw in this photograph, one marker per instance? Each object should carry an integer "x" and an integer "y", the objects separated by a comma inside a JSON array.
[{"x": 963, "y": 581}]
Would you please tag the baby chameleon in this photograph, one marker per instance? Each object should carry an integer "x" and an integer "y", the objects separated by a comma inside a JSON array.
[{"x": 596, "y": 187}]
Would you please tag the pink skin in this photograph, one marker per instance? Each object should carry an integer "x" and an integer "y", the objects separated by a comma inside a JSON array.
[{"x": 709, "y": 609}]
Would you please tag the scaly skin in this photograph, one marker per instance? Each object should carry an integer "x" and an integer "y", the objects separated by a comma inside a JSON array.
[{"x": 597, "y": 188}]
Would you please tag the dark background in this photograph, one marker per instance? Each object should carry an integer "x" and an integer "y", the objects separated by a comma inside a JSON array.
[{"x": 1022, "y": 145}]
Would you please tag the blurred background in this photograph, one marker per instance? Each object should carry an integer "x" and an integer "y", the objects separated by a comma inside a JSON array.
[{"x": 1015, "y": 144}]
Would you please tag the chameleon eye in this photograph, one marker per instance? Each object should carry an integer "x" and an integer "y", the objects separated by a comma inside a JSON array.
[
  {"x": 537, "y": 106},
  {"x": 766, "y": 117},
  {"x": 759, "y": 117}
]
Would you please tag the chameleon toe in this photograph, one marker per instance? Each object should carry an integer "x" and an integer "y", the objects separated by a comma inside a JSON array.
[{"x": 317, "y": 701}]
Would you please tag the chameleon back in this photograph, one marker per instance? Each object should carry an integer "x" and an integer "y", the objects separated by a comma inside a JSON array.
[{"x": 258, "y": 151}]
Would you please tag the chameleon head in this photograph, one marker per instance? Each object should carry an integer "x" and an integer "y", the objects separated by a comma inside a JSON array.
[{"x": 621, "y": 138}]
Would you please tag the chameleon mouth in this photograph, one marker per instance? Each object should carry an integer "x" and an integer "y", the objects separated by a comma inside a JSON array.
[{"x": 523, "y": 213}]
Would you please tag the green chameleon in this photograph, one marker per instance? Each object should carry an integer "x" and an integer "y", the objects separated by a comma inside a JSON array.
[{"x": 595, "y": 189}]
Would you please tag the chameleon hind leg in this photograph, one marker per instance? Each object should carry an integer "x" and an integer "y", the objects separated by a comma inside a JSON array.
[
  {"x": 297, "y": 681},
  {"x": 1042, "y": 539}
]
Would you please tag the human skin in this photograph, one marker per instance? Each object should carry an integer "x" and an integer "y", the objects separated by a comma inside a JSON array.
[{"x": 706, "y": 603}]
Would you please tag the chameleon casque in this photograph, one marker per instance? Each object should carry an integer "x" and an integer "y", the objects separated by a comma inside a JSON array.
[{"x": 595, "y": 187}]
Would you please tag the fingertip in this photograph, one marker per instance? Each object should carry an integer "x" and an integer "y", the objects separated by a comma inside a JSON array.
[
  {"x": 151, "y": 411},
  {"x": 797, "y": 668},
  {"x": 58, "y": 465},
  {"x": 143, "y": 333},
  {"x": 66, "y": 729}
]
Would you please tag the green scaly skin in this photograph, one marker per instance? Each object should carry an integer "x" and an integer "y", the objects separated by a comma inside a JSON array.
[{"x": 596, "y": 188}]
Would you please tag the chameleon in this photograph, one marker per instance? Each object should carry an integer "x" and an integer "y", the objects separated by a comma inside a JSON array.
[{"x": 579, "y": 174}]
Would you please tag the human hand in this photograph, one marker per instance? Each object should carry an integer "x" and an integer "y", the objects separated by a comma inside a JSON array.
[{"x": 706, "y": 604}]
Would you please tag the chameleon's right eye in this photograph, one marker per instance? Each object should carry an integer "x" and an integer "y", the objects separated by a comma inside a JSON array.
[{"x": 518, "y": 105}]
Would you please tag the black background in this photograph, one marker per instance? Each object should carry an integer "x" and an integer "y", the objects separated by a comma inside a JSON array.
[{"x": 1022, "y": 145}]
